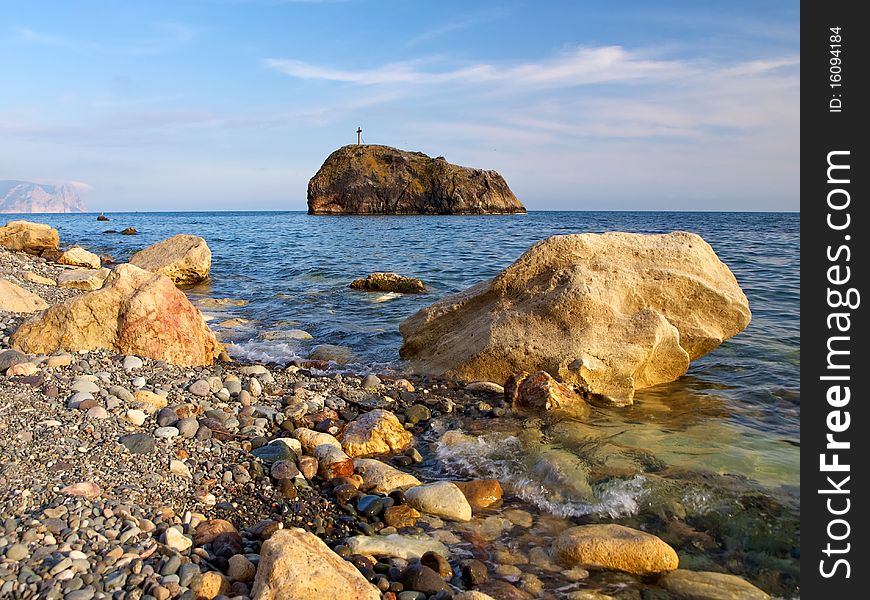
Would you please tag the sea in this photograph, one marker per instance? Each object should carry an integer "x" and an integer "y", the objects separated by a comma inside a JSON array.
[{"x": 718, "y": 449}]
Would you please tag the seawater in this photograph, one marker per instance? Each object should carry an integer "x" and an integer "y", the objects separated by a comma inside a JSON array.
[{"x": 718, "y": 448}]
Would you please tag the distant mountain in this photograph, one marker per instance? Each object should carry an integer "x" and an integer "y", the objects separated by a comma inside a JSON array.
[{"x": 28, "y": 197}]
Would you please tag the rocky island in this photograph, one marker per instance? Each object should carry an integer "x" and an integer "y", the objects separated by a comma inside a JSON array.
[{"x": 366, "y": 179}]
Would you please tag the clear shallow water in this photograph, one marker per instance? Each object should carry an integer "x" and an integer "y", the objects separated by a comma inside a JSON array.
[{"x": 732, "y": 422}]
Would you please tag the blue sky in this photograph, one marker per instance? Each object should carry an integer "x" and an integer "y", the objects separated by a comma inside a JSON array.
[{"x": 234, "y": 104}]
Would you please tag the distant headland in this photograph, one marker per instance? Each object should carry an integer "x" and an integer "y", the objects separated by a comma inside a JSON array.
[
  {"x": 28, "y": 197},
  {"x": 367, "y": 179}
]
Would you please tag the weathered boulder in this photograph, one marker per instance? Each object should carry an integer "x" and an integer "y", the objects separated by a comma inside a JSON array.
[
  {"x": 14, "y": 298},
  {"x": 375, "y": 432},
  {"x": 540, "y": 394},
  {"x": 378, "y": 180},
  {"x": 310, "y": 439},
  {"x": 79, "y": 257},
  {"x": 185, "y": 259},
  {"x": 297, "y": 564},
  {"x": 33, "y": 238},
  {"x": 389, "y": 282},
  {"x": 332, "y": 462},
  {"x": 609, "y": 313},
  {"x": 83, "y": 279},
  {"x": 614, "y": 548},
  {"x": 381, "y": 477},
  {"x": 442, "y": 499},
  {"x": 705, "y": 585},
  {"x": 135, "y": 312}
]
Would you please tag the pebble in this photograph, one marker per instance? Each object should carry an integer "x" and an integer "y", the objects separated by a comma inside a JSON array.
[
  {"x": 77, "y": 398},
  {"x": 131, "y": 363},
  {"x": 97, "y": 412},
  {"x": 166, "y": 432},
  {"x": 177, "y": 540},
  {"x": 84, "y": 385},
  {"x": 179, "y": 468},
  {"x": 241, "y": 569},
  {"x": 187, "y": 427},
  {"x": 136, "y": 416},
  {"x": 138, "y": 443},
  {"x": 17, "y": 552},
  {"x": 138, "y": 382},
  {"x": 200, "y": 388}
]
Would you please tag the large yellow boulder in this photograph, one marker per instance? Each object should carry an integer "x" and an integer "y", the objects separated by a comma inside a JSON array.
[
  {"x": 25, "y": 236},
  {"x": 185, "y": 259}
]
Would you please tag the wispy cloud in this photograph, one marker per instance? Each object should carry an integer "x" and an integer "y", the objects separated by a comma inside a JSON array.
[
  {"x": 459, "y": 24},
  {"x": 578, "y": 67},
  {"x": 166, "y": 36}
]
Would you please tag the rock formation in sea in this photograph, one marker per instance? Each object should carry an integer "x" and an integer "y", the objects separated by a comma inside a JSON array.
[
  {"x": 379, "y": 180},
  {"x": 29, "y": 197},
  {"x": 610, "y": 313}
]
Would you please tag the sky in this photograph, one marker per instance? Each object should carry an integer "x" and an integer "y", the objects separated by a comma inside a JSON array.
[{"x": 235, "y": 104}]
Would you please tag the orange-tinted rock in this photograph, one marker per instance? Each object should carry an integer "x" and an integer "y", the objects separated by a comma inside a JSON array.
[
  {"x": 539, "y": 394},
  {"x": 375, "y": 432},
  {"x": 481, "y": 493},
  {"x": 135, "y": 312}
]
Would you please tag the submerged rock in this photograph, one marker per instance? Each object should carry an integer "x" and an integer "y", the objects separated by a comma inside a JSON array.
[
  {"x": 704, "y": 585},
  {"x": 26, "y": 236},
  {"x": 538, "y": 394},
  {"x": 136, "y": 312},
  {"x": 614, "y": 547},
  {"x": 185, "y": 259},
  {"x": 297, "y": 564},
  {"x": 389, "y": 282},
  {"x": 14, "y": 298},
  {"x": 370, "y": 179},
  {"x": 609, "y": 313}
]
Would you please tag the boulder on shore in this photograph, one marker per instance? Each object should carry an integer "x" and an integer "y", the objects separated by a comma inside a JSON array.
[
  {"x": 389, "y": 282},
  {"x": 375, "y": 432},
  {"x": 297, "y": 564},
  {"x": 135, "y": 312},
  {"x": 609, "y": 313},
  {"x": 14, "y": 298},
  {"x": 83, "y": 279},
  {"x": 185, "y": 259},
  {"x": 367, "y": 179},
  {"x": 25, "y": 236},
  {"x": 79, "y": 257}
]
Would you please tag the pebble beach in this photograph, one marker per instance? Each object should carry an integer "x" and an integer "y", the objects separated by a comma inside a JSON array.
[{"x": 128, "y": 477}]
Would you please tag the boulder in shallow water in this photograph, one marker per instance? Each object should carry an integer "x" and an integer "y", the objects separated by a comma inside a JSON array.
[
  {"x": 375, "y": 432},
  {"x": 341, "y": 355},
  {"x": 79, "y": 257},
  {"x": 705, "y": 585},
  {"x": 25, "y": 236},
  {"x": 297, "y": 564},
  {"x": 610, "y": 313},
  {"x": 614, "y": 548},
  {"x": 481, "y": 493},
  {"x": 135, "y": 312},
  {"x": 442, "y": 499},
  {"x": 389, "y": 282},
  {"x": 185, "y": 259},
  {"x": 539, "y": 394},
  {"x": 14, "y": 298}
]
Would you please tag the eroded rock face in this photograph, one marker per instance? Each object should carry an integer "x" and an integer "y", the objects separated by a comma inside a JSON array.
[
  {"x": 609, "y": 313},
  {"x": 185, "y": 259},
  {"x": 25, "y": 236},
  {"x": 297, "y": 564},
  {"x": 615, "y": 548},
  {"x": 379, "y": 180},
  {"x": 14, "y": 298},
  {"x": 135, "y": 312}
]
